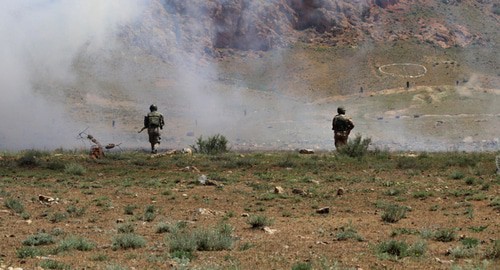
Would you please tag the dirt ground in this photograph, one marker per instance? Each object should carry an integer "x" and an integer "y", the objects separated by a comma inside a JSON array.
[{"x": 435, "y": 192}]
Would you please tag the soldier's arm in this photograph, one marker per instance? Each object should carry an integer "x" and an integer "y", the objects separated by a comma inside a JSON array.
[{"x": 146, "y": 121}]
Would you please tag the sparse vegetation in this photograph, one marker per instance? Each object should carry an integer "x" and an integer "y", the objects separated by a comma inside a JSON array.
[
  {"x": 374, "y": 188},
  {"x": 128, "y": 241},
  {"x": 213, "y": 145},
  {"x": 356, "y": 148}
]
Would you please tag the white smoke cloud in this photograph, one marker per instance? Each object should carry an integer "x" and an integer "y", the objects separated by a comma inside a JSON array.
[{"x": 40, "y": 40}]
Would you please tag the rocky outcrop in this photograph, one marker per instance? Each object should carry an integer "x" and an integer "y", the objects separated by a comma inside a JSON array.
[{"x": 203, "y": 27}]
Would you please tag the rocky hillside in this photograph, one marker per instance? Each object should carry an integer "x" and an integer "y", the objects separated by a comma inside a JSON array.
[{"x": 202, "y": 26}]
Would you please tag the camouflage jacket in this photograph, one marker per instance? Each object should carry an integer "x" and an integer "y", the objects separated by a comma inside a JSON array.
[
  {"x": 342, "y": 123},
  {"x": 153, "y": 120}
]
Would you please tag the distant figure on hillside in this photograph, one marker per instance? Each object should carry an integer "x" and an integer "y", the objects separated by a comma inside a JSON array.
[
  {"x": 153, "y": 122},
  {"x": 341, "y": 126}
]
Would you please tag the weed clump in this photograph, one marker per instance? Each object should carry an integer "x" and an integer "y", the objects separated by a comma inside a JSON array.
[
  {"x": 393, "y": 213},
  {"x": 128, "y": 241},
  {"x": 39, "y": 239},
  {"x": 212, "y": 145},
  {"x": 259, "y": 221},
  {"x": 14, "y": 205},
  {"x": 356, "y": 148},
  {"x": 31, "y": 158},
  {"x": 400, "y": 249},
  {"x": 74, "y": 169},
  {"x": 183, "y": 243}
]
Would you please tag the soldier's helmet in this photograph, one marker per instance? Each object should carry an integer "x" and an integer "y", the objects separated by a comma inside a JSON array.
[
  {"x": 153, "y": 108},
  {"x": 341, "y": 110}
]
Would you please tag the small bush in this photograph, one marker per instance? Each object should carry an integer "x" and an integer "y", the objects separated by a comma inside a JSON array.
[
  {"x": 457, "y": 175},
  {"x": 213, "y": 145},
  {"x": 163, "y": 227},
  {"x": 462, "y": 252},
  {"x": 52, "y": 264},
  {"x": 393, "y": 213},
  {"x": 494, "y": 251},
  {"x": 126, "y": 228},
  {"x": 348, "y": 232},
  {"x": 400, "y": 249},
  {"x": 129, "y": 209},
  {"x": 186, "y": 242},
  {"x": 39, "y": 239},
  {"x": 74, "y": 243},
  {"x": 259, "y": 221},
  {"x": 445, "y": 235},
  {"x": 57, "y": 217},
  {"x": 356, "y": 148},
  {"x": 149, "y": 213},
  {"x": 28, "y": 252},
  {"x": 31, "y": 158},
  {"x": 128, "y": 241},
  {"x": 302, "y": 266},
  {"x": 74, "y": 169},
  {"x": 14, "y": 205}
]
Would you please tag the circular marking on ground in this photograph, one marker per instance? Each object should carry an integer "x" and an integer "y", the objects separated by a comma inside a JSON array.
[{"x": 404, "y": 70}]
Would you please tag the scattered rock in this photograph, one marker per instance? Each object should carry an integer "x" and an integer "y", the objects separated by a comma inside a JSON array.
[
  {"x": 306, "y": 151},
  {"x": 269, "y": 230},
  {"x": 120, "y": 220},
  {"x": 323, "y": 210},
  {"x": 47, "y": 200},
  {"x": 340, "y": 191},
  {"x": 245, "y": 215},
  {"x": 444, "y": 261},
  {"x": 279, "y": 190}
]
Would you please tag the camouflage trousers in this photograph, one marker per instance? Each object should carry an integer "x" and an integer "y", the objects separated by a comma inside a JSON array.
[
  {"x": 154, "y": 137},
  {"x": 340, "y": 138}
]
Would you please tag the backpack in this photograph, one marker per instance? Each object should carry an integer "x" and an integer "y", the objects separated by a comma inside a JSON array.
[{"x": 154, "y": 119}]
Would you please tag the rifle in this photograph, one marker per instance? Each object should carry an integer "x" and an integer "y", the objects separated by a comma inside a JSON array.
[{"x": 142, "y": 129}]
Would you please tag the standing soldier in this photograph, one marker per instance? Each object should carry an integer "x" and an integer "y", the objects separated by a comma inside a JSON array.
[
  {"x": 153, "y": 122},
  {"x": 341, "y": 126}
]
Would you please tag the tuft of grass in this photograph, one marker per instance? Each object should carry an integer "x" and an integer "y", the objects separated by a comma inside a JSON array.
[
  {"x": 28, "y": 252},
  {"x": 393, "y": 213},
  {"x": 73, "y": 243},
  {"x": 126, "y": 228},
  {"x": 74, "y": 169},
  {"x": 53, "y": 264},
  {"x": 356, "y": 148},
  {"x": 302, "y": 266},
  {"x": 445, "y": 235},
  {"x": 149, "y": 213},
  {"x": 183, "y": 242},
  {"x": 259, "y": 221},
  {"x": 129, "y": 209},
  {"x": 494, "y": 251},
  {"x": 31, "y": 158},
  {"x": 14, "y": 205},
  {"x": 39, "y": 239},
  {"x": 213, "y": 145},
  {"x": 128, "y": 241},
  {"x": 348, "y": 232},
  {"x": 457, "y": 175},
  {"x": 394, "y": 249}
]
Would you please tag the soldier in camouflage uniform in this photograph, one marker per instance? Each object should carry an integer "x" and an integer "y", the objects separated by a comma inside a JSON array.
[
  {"x": 154, "y": 123},
  {"x": 341, "y": 126}
]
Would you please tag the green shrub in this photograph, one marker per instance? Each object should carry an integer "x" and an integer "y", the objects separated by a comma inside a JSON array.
[
  {"x": 356, "y": 148},
  {"x": 302, "y": 266},
  {"x": 31, "y": 158},
  {"x": 57, "y": 217},
  {"x": 74, "y": 211},
  {"x": 462, "y": 252},
  {"x": 400, "y": 249},
  {"x": 39, "y": 239},
  {"x": 14, "y": 205},
  {"x": 28, "y": 252},
  {"x": 129, "y": 209},
  {"x": 52, "y": 264},
  {"x": 494, "y": 251},
  {"x": 212, "y": 239},
  {"x": 163, "y": 227},
  {"x": 212, "y": 145},
  {"x": 74, "y": 243},
  {"x": 445, "y": 235},
  {"x": 348, "y": 232},
  {"x": 149, "y": 213},
  {"x": 393, "y": 213},
  {"x": 126, "y": 228},
  {"x": 259, "y": 221},
  {"x": 74, "y": 169},
  {"x": 457, "y": 175},
  {"x": 128, "y": 241}
]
